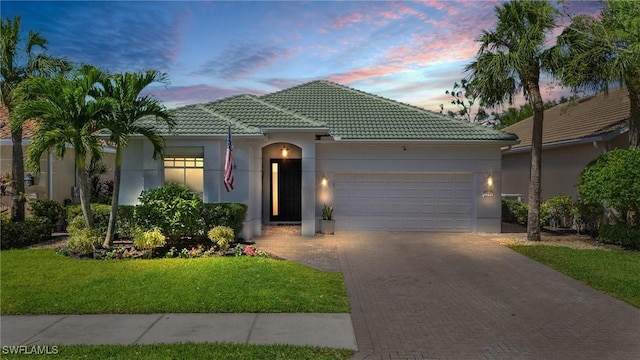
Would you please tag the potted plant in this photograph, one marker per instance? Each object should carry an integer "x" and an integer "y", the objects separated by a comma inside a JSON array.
[{"x": 327, "y": 224}]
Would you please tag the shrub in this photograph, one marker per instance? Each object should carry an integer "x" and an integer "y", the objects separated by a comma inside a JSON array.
[
  {"x": 50, "y": 209},
  {"x": 83, "y": 241},
  {"x": 587, "y": 217},
  {"x": 514, "y": 211},
  {"x": 173, "y": 209},
  {"x": 124, "y": 227},
  {"x": 620, "y": 234},
  {"x": 148, "y": 240},
  {"x": 611, "y": 180},
  {"x": 559, "y": 211},
  {"x": 24, "y": 233},
  {"x": 99, "y": 212},
  {"x": 224, "y": 214},
  {"x": 126, "y": 223},
  {"x": 221, "y": 236}
]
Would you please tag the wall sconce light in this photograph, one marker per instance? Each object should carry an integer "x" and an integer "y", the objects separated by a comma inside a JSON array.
[
  {"x": 489, "y": 181},
  {"x": 29, "y": 180},
  {"x": 284, "y": 151},
  {"x": 324, "y": 181}
]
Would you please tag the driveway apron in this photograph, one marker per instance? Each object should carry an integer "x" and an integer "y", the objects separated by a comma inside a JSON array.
[{"x": 462, "y": 296}]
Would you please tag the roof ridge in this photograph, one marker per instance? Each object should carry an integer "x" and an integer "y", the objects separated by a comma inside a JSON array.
[
  {"x": 297, "y": 114},
  {"x": 229, "y": 119}
]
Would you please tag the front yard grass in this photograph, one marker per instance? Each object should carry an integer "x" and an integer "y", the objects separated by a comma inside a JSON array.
[
  {"x": 617, "y": 273},
  {"x": 43, "y": 282},
  {"x": 191, "y": 351}
]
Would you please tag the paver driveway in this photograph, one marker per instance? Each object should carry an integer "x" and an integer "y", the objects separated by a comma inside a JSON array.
[{"x": 462, "y": 296}]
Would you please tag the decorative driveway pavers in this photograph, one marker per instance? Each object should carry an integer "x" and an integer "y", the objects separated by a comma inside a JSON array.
[{"x": 462, "y": 296}]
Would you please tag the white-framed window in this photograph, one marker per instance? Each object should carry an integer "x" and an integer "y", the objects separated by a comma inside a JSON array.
[{"x": 187, "y": 170}]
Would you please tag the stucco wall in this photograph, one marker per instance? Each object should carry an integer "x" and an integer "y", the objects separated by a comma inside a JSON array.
[
  {"x": 478, "y": 160},
  {"x": 56, "y": 177},
  {"x": 561, "y": 167}
]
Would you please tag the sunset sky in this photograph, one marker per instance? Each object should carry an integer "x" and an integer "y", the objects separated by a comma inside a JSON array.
[{"x": 408, "y": 51}]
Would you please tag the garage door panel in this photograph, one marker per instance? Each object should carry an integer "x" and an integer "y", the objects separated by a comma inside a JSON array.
[{"x": 409, "y": 202}]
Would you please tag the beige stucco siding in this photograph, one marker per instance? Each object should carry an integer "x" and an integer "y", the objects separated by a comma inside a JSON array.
[{"x": 561, "y": 167}]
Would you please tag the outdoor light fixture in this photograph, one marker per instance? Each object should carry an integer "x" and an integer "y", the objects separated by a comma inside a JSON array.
[
  {"x": 28, "y": 180},
  {"x": 284, "y": 151},
  {"x": 489, "y": 181},
  {"x": 324, "y": 181}
]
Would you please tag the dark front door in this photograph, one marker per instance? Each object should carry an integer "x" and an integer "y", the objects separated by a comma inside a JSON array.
[{"x": 286, "y": 189}]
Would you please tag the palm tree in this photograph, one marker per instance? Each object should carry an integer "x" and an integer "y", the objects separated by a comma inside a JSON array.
[
  {"x": 66, "y": 113},
  {"x": 595, "y": 52},
  {"x": 510, "y": 59},
  {"x": 122, "y": 122},
  {"x": 16, "y": 65}
]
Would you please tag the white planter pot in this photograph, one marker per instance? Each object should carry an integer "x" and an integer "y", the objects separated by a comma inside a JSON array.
[{"x": 327, "y": 226}]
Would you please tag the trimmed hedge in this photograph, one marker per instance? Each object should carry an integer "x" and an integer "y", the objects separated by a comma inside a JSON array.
[
  {"x": 24, "y": 233},
  {"x": 620, "y": 234},
  {"x": 47, "y": 208},
  {"x": 224, "y": 214},
  {"x": 172, "y": 208},
  {"x": 209, "y": 216},
  {"x": 514, "y": 211}
]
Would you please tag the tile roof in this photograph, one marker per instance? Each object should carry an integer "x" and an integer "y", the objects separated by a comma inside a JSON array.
[
  {"x": 596, "y": 115},
  {"x": 323, "y": 107},
  {"x": 354, "y": 114},
  {"x": 252, "y": 111},
  {"x": 199, "y": 120},
  {"x": 28, "y": 128}
]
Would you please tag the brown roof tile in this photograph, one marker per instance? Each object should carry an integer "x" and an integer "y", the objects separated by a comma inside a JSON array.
[
  {"x": 591, "y": 116},
  {"x": 28, "y": 128}
]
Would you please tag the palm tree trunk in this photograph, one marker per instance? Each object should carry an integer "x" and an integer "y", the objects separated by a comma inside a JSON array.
[
  {"x": 113, "y": 214},
  {"x": 634, "y": 117},
  {"x": 17, "y": 175},
  {"x": 535, "y": 177},
  {"x": 83, "y": 181}
]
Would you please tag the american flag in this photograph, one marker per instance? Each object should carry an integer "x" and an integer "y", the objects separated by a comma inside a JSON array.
[{"x": 228, "y": 164}]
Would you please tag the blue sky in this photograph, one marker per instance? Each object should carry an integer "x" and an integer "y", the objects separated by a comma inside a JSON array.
[{"x": 408, "y": 51}]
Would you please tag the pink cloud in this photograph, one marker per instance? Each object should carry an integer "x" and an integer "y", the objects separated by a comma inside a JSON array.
[
  {"x": 348, "y": 19},
  {"x": 363, "y": 73}
]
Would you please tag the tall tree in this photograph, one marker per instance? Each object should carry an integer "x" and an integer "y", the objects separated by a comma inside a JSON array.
[
  {"x": 16, "y": 64},
  {"x": 66, "y": 113},
  {"x": 464, "y": 97},
  {"x": 510, "y": 59},
  {"x": 594, "y": 52},
  {"x": 123, "y": 121}
]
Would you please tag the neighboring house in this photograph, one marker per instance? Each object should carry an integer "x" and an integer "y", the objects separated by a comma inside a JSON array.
[
  {"x": 382, "y": 164},
  {"x": 56, "y": 179},
  {"x": 574, "y": 134}
]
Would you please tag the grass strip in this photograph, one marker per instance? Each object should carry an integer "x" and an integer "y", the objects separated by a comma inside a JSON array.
[
  {"x": 43, "y": 282},
  {"x": 182, "y": 351},
  {"x": 617, "y": 273}
]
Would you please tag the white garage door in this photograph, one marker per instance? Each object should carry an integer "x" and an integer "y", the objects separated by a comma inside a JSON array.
[{"x": 403, "y": 201}]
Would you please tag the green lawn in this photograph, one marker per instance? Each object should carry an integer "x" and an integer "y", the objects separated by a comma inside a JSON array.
[
  {"x": 615, "y": 272},
  {"x": 43, "y": 282},
  {"x": 189, "y": 351}
]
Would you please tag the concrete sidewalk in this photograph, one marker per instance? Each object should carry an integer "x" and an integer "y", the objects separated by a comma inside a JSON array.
[{"x": 324, "y": 330}]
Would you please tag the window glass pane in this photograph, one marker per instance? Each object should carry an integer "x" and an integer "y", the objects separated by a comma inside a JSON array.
[
  {"x": 185, "y": 170},
  {"x": 174, "y": 176},
  {"x": 195, "y": 180}
]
